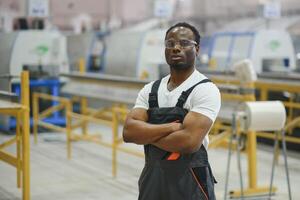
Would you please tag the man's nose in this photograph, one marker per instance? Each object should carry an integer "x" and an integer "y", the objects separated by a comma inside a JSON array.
[{"x": 177, "y": 48}]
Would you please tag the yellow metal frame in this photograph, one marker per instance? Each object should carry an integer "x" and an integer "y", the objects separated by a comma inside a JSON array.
[
  {"x": 106, "y": 116},
  {"x": 22, "y": 139},
  {"x": 63, "y": 104}
]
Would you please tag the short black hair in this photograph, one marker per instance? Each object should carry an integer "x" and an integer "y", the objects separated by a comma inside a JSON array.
[{"x": 186, "y": 25}]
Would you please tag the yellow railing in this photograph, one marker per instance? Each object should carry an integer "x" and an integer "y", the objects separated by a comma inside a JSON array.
[
  {"x": 22, "y": 159},
  {"x": 109, "y": 117},
  {"x": 63, "y": 104},
  {"x": 105, "y": 116}
]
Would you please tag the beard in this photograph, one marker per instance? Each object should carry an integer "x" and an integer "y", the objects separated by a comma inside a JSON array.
[{"x": 180, "y": 66}]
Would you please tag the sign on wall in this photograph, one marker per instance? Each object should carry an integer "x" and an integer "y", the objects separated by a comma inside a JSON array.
[
  {"x": 38, "y": 8},
  {"x": 272, "y": 9},
  {"x": 163, "y": 8}
]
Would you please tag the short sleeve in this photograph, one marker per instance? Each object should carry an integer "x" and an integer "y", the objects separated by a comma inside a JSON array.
[
  {"x": 206, "y": 100},
  {"x": 143, "y": 96}
]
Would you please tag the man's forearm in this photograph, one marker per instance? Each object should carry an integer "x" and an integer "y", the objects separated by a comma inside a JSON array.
[
  {"x": 141, "y": 132},
  {"x": 174, "y": 142},
  {"x": 189, "y": 138},
  {"x": 179, "y": 141}
]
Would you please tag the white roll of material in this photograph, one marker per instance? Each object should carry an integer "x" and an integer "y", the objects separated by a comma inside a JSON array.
[
  {"x": 245, "y": 71},
  {"x": 265, "y": 115}
]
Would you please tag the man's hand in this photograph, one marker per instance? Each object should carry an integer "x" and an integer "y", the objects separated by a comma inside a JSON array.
[{"x": 188, "y": 138}]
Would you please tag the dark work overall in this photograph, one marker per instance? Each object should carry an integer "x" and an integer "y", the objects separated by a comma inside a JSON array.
[{"x": 187, "y": 178}]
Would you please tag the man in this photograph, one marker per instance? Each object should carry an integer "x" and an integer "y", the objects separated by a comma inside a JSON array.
[{"x": 172, "y": 118}]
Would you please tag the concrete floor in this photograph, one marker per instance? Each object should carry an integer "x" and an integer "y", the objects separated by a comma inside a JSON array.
[{"x": 87, "y": 176}]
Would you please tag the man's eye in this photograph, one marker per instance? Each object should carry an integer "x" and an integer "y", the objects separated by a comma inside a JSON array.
[
  {"x": 171, "y": 43},
  {"x": 184, "y": 43}
]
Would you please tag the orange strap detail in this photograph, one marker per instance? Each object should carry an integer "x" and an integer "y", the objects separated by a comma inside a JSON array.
[
  {"x": 198, "y": 183},
  {"x": 173, "y": 156}
]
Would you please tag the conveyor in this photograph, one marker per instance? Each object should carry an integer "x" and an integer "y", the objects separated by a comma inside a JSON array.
[{"x": 107, "y": 87}]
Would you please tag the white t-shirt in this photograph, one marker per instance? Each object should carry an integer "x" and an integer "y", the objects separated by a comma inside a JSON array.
[{"x": 204, "y": 99}]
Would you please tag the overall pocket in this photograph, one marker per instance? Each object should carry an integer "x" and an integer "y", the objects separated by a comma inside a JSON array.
[
  {"x": 180, "y": 182},
  {"x": 205, "y": 181}
]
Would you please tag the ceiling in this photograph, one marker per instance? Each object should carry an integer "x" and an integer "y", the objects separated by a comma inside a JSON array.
[{"x": 207, "y": 14}]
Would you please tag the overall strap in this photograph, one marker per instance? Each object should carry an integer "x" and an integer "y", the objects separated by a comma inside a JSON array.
[
  {"x": 185, "y": 94},
  {"x": 153, "y": 100}
]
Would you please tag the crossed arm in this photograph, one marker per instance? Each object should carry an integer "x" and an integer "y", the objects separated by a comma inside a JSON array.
[{"x": 173, "y": 137}]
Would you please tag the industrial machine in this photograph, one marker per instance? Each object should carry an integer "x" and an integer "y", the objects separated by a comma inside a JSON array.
[
  {"x": 89, "y": 46},
  {"x": 296, "y": 42},
  {"x": 269, "y": 50},
  {"x": 134, "y": 53},
  {"x": 139, "y": 51},
  {"x": 269, "y": 43},
  {"x": 130, "y": 52},
  {"x": 42, "y": 53}
]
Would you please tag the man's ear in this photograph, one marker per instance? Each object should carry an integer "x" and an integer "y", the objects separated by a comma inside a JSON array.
[{"x": 197, "y": 49}]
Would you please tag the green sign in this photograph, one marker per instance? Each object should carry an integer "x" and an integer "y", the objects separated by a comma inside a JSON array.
[
  {"x": 274, "y": 45},
  {"x": 41, "y": 49}
]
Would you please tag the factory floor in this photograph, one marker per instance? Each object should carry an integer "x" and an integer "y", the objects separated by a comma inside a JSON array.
[{"x": 87, "y": 176}]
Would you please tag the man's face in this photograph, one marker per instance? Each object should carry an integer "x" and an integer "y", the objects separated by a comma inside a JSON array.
[{"x": 181, "y": 57}]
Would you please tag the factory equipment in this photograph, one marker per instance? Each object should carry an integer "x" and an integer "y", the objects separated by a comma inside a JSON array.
[
  {"x": 42, "y": 53},
  {"x": 296, "y": 42},
  {"x": 251, "y": 117},
  {"x": 103, "y": 87},
  {"x": 90, "y": 46},
  {"x": 269, "y": 50},
  {"x": 77, "y": 47},
  {"x": 139, "y": 51},
  {"x": 134, "y": 53},
  {"x": 238, "y": 95},
  {"x": 267, "y": 43}
]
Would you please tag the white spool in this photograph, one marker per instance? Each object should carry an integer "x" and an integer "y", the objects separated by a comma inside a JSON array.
[
  {"x": 265, "y": 115},
  {"x": 244, "y": 71}
]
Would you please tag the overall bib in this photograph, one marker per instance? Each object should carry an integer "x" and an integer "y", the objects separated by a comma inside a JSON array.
[{"x": 187, "y": 178}]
